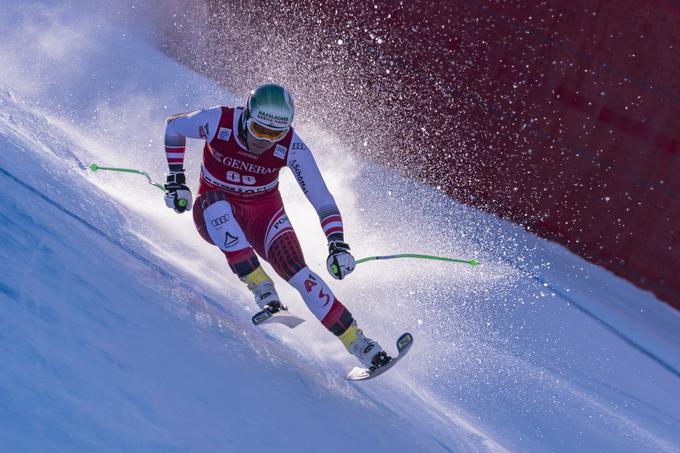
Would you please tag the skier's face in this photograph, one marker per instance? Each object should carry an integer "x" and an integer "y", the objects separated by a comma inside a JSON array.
[
  {"x": 257, "y": 146},
  {"x": 260, "y": 138}
]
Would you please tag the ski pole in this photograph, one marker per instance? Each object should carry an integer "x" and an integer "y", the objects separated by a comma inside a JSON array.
[
  {"x": 473, "y": 262},
  {"x": 95, "y": 167}
]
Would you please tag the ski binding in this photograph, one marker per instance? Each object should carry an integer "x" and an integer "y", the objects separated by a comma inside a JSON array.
[{"x": 404, "y": 343}]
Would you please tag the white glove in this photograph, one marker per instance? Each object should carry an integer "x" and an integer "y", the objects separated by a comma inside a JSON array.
[
  {"x": 340, "y": 261},
  {"x": 177, "y": 194}
]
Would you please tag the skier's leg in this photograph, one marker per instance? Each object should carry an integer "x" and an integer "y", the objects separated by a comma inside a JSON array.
[
  {"x": 285, "y": 256},
  {"x": 270, "y": 232},
  {"x": 215, "y": 221}
]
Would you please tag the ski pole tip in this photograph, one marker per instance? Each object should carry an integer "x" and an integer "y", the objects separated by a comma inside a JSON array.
[
  {"x": 94, "y": 167},
  {"x": 473, "y": 262}
]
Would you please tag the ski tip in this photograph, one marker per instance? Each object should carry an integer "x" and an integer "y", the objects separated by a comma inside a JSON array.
[
  {"x": 260, "y": 317},
  {"x": 404, "y": 341}
]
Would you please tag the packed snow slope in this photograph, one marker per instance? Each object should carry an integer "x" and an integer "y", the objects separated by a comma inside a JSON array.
[{"x": 121, "y": 330}]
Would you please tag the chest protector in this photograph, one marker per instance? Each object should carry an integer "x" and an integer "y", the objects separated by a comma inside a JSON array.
[{"x": 229, "y": 166}]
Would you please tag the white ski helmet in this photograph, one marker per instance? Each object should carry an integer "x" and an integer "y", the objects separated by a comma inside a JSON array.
[{"x": 269, "y": 112}]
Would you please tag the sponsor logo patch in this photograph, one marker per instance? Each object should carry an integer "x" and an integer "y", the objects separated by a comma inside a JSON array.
[
  {"x": 269, "y": 117},
  {"x": 322, "y": 295},
  {"x": 280, "y": 151},
  {"x": 282, "y": 221},
  {"x": 220, "y": 220},
  {"x": 224, "y": 134},
  {"x": 204, "y": 131},
  {"x": 310, "y": 283},
  {"x": 229, "y": 240},
  {"x": 248, "y": 166},
  {"x": 298, "y": 175}
]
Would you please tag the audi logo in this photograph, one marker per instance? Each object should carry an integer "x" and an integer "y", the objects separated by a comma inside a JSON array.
[{"x": 220, "y": 220}]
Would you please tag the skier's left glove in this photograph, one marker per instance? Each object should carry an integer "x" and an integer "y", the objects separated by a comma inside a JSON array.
[
  {"x": 340, "y": 261},
  {"x": 177, "y": 194}
]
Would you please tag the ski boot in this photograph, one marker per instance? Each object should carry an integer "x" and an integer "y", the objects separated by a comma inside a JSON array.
[
  {"x": 262, "y": 287},
  {"x": 368, "y": 351}
]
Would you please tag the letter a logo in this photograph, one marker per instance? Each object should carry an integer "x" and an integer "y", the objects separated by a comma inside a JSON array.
[{"x": 309, "y": 284}]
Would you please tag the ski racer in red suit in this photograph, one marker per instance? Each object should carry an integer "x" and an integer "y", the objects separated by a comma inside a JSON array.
[{"x": 239, "y": 207}]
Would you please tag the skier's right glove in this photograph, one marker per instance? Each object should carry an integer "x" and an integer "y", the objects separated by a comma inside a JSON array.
[{"x": 177, "y": 194}]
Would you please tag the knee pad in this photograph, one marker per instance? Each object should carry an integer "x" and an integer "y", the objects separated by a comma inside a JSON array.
[
  {"x": 202, "y": 202},
  {"x": 222, "y": 227},
  {"x": 214, "y": 220}
]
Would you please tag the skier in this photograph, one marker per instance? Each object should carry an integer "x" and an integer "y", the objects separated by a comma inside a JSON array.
[{"x": 239, "y": 208}]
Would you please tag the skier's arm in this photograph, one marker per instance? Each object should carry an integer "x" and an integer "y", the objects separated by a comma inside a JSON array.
[
  {"x": 307, "y": 174},
  {"x": 340, "y": 261},
  {"x": 201, "y": 124}
]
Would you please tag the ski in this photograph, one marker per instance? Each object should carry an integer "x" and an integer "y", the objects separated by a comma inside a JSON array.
[
  {"x": 404, "y": 343},
  {"x": 280, "y": 317}
]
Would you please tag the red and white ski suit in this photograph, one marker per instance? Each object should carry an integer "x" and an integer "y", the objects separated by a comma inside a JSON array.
[{"x": 239, "y": 207}]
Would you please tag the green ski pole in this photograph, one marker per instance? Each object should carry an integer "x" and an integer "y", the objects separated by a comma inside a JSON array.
[
  {"x": 95, "y": 167},
  {"x": 473, "y": 262}
]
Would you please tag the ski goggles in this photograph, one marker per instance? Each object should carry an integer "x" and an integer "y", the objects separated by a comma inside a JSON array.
[{"x": 261, "y": 132}]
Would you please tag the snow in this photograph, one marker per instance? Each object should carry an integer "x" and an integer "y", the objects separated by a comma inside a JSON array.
[{"x": 121, "y": 330}]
